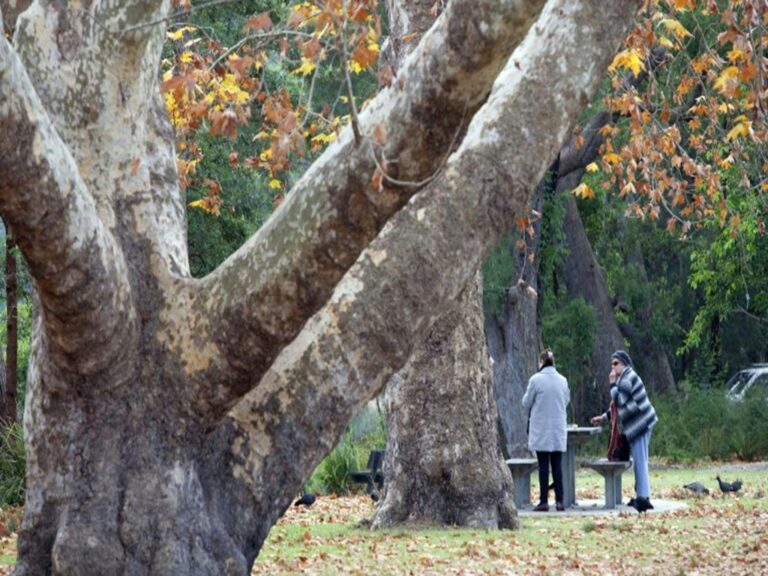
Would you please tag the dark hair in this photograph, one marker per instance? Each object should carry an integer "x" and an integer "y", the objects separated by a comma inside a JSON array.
[{"x": 547, "y": 358}]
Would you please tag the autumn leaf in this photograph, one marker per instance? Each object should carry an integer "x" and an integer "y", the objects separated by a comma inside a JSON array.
[
  {"x": 741, "y": 129},
  {"x": 178, "y": 34},
  {"x": 628, "y": 60},
  {"x": 258, "y": 23},
  {"x": 306, "y": 68},
  {"x": 592, "y": 167},
  {"x": 583, "y": 191},
  {"x": 675, "y": 27}
]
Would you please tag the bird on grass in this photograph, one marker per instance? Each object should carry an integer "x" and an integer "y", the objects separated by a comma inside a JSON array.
[
  {"x": 729, "y": 486},
  {"x": 307, "y": 499},
  {"x": 697, "y": 487}
]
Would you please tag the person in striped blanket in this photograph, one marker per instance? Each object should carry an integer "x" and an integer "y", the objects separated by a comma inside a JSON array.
[{"x": 637, "y": 418}]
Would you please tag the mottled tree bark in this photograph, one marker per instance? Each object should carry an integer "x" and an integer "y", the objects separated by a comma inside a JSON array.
[
  {"x": 438, "y": 474},
  {"x": 443, "y": 464},
  {"x": 169, "y": 420}
]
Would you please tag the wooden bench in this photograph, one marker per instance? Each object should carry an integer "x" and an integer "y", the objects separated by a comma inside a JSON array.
[
  {"x": 521, "y": 469},
  {"x": 611, "y": 472},
  {"x": 372, "y": 475}
]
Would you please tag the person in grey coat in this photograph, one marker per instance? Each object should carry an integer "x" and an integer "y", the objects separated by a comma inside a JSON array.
[{"x": 546, "y": 399}]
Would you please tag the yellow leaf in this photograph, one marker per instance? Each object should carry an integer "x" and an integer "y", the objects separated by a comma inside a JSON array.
[
  {"x": 583, "y": 191},
  {"x": 668, "y": 44},
  {"x": 197, "y": 203},
  {"x": 612, "y": 158},
  {"x": 275, "y": 184},
  {"x": 592, "y": 167},
  {"x": 178, "y": 34},
  {"x": 306, "y": 68},
  {"x": 736, "y": 54},
  {"x": 628, "y": 60},
  {"x": 728, "y": 76},
  {"x": 355, "y": 67},
  {"x": 675, "y": 27},
  {"x": 741, "y": 129},
  {"x": 324, "y": 138},
  {"x": 186, "y": 57}
]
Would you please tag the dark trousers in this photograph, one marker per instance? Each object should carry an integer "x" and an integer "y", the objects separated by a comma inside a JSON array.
[{"x": 556, "y": 459}]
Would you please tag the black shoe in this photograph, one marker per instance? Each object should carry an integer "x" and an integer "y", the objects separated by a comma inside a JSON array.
[
  {"x": 642, "y": 504},
  {"x": 542, "y": 507},
  {"x": 559, "y": 507}
]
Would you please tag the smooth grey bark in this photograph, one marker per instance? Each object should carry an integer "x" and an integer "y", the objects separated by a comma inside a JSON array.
[
  {"x": 169, "y": 421},
  {"x": 436, "y": 474},
  {"x": 443, "y": 464}
]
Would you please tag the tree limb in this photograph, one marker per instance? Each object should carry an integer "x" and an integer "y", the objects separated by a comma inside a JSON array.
[
  {"x": 76, "y": 266},
  {"x": 404, "y": 279},
  {"x": 257, "y": 300}
]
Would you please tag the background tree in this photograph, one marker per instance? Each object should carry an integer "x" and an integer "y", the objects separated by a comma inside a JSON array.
[
  {"x": 169, "y": 421},
  {"x": 447, "y": 379}
]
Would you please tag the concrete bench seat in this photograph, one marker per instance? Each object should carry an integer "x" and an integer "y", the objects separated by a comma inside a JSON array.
[
  {"x": 611, "y": 472},
  {"x": 521, "y": 469}
]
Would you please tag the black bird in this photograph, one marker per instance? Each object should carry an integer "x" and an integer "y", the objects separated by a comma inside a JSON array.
[
  {"x": 729, "y": 487},
  {"x": 307, "y": 499},
  {"x": 697, "y": 487}
]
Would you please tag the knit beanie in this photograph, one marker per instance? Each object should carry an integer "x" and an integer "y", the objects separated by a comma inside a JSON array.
[{"x": 622, "y": 357}]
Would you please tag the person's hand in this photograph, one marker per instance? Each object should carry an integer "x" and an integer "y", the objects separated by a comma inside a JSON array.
[
  {"x": 612, "y": 376},
  {"x": 597, "y": 420}
]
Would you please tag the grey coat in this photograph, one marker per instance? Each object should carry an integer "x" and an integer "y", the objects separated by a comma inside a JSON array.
[{"x": 547, "y": 397}]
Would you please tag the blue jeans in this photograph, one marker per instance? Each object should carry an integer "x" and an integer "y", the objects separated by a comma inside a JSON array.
[{"x": 639, "y": 449}]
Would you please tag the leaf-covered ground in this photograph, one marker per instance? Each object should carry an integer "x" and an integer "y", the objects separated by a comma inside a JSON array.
[{"x": 716, "y": 534}]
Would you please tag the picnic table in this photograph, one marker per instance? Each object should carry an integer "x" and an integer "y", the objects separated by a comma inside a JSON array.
[{"x": 576, "y": 435}]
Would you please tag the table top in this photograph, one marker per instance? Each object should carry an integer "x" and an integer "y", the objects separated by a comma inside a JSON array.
[{"x": 583, "y": 431}]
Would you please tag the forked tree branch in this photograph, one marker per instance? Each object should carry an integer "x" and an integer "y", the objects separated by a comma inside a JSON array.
[
  {"x": 258, "y": 300},
  {"x": 403, "y": 281},
  {"x": 74, "y": 262}
]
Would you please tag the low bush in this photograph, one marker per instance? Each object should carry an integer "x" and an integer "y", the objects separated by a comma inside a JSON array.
[{"x": 12, "y": 466}]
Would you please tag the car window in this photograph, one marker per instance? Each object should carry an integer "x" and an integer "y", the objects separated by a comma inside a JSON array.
[
  {"x": 761, "y": 380},
  {"x": 737, "y": 383}
]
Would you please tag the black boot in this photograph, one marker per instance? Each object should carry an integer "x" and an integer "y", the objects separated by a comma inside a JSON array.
[{"x": 642, "y": 504}]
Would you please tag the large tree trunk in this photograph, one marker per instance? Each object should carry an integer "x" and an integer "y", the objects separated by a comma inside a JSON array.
[
  {"x": 438, "y": 474},
  {"x": 168, "y": 420},
  {"x": 443, "y": 463}
]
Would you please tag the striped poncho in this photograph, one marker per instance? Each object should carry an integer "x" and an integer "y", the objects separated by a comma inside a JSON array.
[{"x": 635, "y": 410}]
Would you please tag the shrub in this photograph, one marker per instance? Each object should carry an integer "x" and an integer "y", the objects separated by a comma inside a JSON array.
[
  {"x": 12, "y": 466},
  {"x": 332, "y": 475}
]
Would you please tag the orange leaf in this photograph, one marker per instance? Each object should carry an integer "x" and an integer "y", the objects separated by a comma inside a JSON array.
[{"x": 258, "y": 23}]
